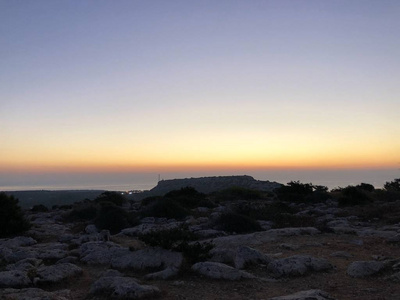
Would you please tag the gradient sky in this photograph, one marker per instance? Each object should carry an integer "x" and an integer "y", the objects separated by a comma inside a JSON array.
[{"x": 158, "y": 85}]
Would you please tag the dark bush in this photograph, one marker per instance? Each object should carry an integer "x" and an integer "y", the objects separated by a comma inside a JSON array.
[
  {"x": 233, "y": 222},
  {"x": 263, "y": 211},
  {"x": 366, "y": 187},
  {"x": 83, "y": 212},
  {"x": 195, "y": 252},
  {"x": 168, "y": 239},
  {"x": 114, "y": 197},
  {"x": 115, "y": 218},
  {"x": 352, "y": 195},
  {"x": 187, "y": 197},
  {"x": 39, "y": 208},
  {"x": 393, "y": 185},
  {"x": 149, "y": 200},
  {"x": 12, "y": 220},
  {"x": 290, "y": 220},
  {"x": 238, "y": 193},
  {"x": 179, "y": 239},
  {"x": 165, "y": 208},
  {"x": 294, "y": 191}
]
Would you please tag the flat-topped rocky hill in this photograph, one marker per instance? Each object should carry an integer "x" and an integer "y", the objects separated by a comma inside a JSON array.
[{"x": 210, "y": 184}]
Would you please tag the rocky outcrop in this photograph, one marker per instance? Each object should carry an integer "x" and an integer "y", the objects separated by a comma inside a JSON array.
[
  {"x": 56, "y": 273},
  {"x": 15, "y": 278},
  {"x": 298, "y": 265},
  {"x": 148, "y": 258},
  {"x": 217, "y": 270},
  {"x": 365, "y": 268}
]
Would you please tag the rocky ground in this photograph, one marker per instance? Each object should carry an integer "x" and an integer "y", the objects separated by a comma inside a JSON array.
[{"x": 348, "y": 258}]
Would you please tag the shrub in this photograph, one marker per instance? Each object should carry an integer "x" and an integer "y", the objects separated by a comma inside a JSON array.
[
  {"x": 238, "y": 193},
  {"x": 187, "y": 197},
  {"x": 366, "y": 187},
  {"x": 114, "y": 218},
  {"x": 393, "y": 185},
  {"x": 294, "y": 191},
  {"x": 263, "y": 211},
  {"x": 352, "y": 195},
  {"x": 83, "y": 212},
  {"x": 178, "y": 239},
  {"x": 113, "y": 197},
  {"x": 39, "y": 208},
  {"x": 12, "y": 220},
  {"x": 290, "y": 220},
  {"x": 165, "y": 208},
  {"x": 167, "y": 239},
  {"x": 233, "y": 222}
]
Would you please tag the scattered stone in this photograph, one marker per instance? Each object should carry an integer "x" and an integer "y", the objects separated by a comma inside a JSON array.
[
  {"x": 360, "y": 269},
  {"x": 19, "y": 241},
  {"x": 56, "y": 273},
  {"x": 306, "y": 295},
  {"x": 25, "y": 264},
  {"x": 123, "y": 287},
  {"x": 220, "y": 271},
  {"x": 91, "y": 229},
  {"x": 298, "y": 265}
]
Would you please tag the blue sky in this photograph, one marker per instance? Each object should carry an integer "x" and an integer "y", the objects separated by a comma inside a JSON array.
[{"x": 147, "y": 85}]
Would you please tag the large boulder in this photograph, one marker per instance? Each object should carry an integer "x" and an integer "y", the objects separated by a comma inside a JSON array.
[
  {"x": 14, "y": 278},
  {"x": 306, "y": 295},
  {"x": 246, "y": 256},
  {"x": 56, "y": 273},
  {"x": 101, "y": 252},
  {"x": 217, "y": 270},
  {"x": 122, "y": 287},
  {"x": 148, "y": 258},
  {"x": 360, "y": 269},
  {"x": 298, "y": 265}
]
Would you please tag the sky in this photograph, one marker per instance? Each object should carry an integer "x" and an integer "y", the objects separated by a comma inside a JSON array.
[{"x": 152, "y": 86}]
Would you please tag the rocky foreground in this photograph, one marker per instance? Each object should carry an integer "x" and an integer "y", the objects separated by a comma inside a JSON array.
[{"x": 346, "y": 259}]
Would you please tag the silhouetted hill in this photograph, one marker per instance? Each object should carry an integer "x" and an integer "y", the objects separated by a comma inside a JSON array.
[{"x": 210, "y": 184}]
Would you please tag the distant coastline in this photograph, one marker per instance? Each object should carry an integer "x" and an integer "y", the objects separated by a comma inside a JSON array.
[{"x": 146, "y": 181}]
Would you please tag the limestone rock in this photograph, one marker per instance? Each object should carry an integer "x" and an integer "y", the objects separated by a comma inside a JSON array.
[
  {"x": 365, "y": 268},
  {"x": 34, "y": 294},
  {"x": 306, "y": 295},
  {"x": 164, "y": 274},
  {"x": 14, "y": 278},
  {"x": 56, "y": 273},
  {"x": 246, "y": 255},
  {"x": 123, "y": 287},
  {"x": 298, "y": 265},
  {"x": 148, "y": 258},
  {"x": 220, "y": 271},
  {"x": 25, "y": 264},
  {"x": 101, "y": 252},
  {"x": 19, "y": 241}
]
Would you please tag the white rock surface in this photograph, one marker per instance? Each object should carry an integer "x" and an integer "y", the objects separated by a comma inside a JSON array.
[
  {"x": 217, "y": 270},
  {"x": 15, "y": 278},
  {"x": 56, "y": 273},
  {"x": 298, "y": 265},
  {"x": 34, "y": 294},
  {"x": 360, "y": 269}
]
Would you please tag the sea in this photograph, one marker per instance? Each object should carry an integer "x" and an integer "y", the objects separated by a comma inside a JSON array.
[{"x": 133, "y": 181}]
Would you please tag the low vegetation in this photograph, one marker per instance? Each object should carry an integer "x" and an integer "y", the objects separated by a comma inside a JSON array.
[{"x": 12, "y": 219}]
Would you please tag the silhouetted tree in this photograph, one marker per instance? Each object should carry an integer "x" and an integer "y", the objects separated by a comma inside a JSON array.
[{"x": 12, "y": 220}]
